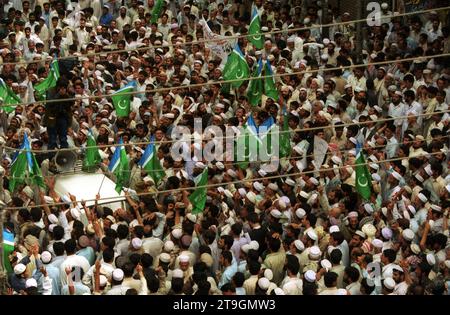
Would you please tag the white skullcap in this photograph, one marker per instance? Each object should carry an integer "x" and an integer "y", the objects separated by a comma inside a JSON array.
[
  {"x": 136, "y": 243},
  {"x": 428, "y": 170},
  {"x": 118, "y": 274},
  {"x": 191, "y": 217},
  {"x": 353, "y": 214},
  {"x": 422, "y": 197},
  {"x": 353, "y": 140},
  {"x": 75, "y": 213},
  {"x": 245, "y": 248},
  {"x": 46, "y": 257},
  {"x": 31, "y": 283},
  {"x": 387, "y": 233},
  {"x": 368, "y": 207},
  {"x": 436, "y": 208},
  {"x": 279, "y": 291},
  {"x": 396, "y": 175},
  {"x": 336, "y": 159},
  {"x": 254, "y": 245},
  {"x": 376, "y": 177},
  {"x": 184, "y": 258},
  {"x": 360, "y": 233},
  {"x": 258, "y": 186},
  {"x": 300, "y": 213},
  {"x": 177, "y": 233},
  {"x": 228, "y": 193},
  {"x": 389, "y": 283},
  {"x": 299, "y": 245},
  {"x": 53, "y": 219},
  {"x": 262, "y": 172},
  {"x": 384, "y": 5},
  {"x": 273, "y": 186},
  {"x": 314, "y": 181},
  {"x": 377, "y": 243},
  {"x": 374, "y": 166},
  {"x": 326, "y": 264},
  {"x": 431, "y": 259},
  {"x": 304, "y": 194},
  {"x": 242, "y": 192},
  {"x": 177, "y": 273},
  {"x": 232, "y": 173},
  {"x": 169, "y": 246},
  {"x": 276, "y": 213},
  {"x": 310, "y": 276},
  {"x": 103, "y": 281},
  {"x": 408, "y": 234},
  {"x": 165, "y": 258},
  {"x": 334, "y": 228},
  {"x": 268, "y": 274},
  {"x": 251, "y": 196},
  {"x": 412, "y": 209},
  {"x": 264, "y": 283},
  {"x": 281, "y": 204},
  {"x": 290, "y": 288},
  {"x": 314, "y": 252},
  {"x": 220, "y": 165},
  {"x": 415, "y": 249},
  {"x": 290, "y": 182},
  {"x": 19, "y": 269},
  {"x": 312, "y": 234}
]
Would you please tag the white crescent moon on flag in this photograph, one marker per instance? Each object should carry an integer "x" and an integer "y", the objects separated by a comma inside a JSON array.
[
  {"x": 239, "y": 76},
  {"x": 122, "y": 107},
  {"x": 256, "y": 37},
  {"x": 360, "y": 182}
]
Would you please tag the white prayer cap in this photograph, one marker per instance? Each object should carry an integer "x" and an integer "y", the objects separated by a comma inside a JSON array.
[
  {"x": 352, "y": 152},
  {"x": 336, "y": 159},
  {"x": 353, "y": 214},
  {"x": 310, "y": 276},
  {"x": 377, "y": 243},
  {"x": 304, "y": 194},
  {"x": 334, "y": 228},
  {"x": 326, "y": 264},
  {"x": 428, "y": 170},
  {"x": 314, "y": 181},
  {"x": 376, "y": 177},
  {"x": 374, "y": 166},
  {"x": 276, "y": 213},
  {"x": 387, "y": 233},
  {"x": 281, "y": 204},
  {"x": 408, "y": 234},
  {"x": 264, "y": 283},
  {"x": 75, "y": 213},
  {"x": 262, "y": 172},
  {"x": 273, "y": 186},
  {"x": 396, "y": 175},
  {"x": 232, "y": 173},
  {"x": 279, "y": 291},
  {"x": 103, "y": 281},
  {"x": 46, "y": 257},
  {"x": 254, "y": 245},
  {"x": 422, "y": 197},
  {"x": 313, "y": 198},
  {"x": 353, "y": 140},
  {"x": 228, "y": 193},
  {"x": 245, "y": 248},
  {"x": 220, "y": 165},
  {"x": 300, "y": 213},
  {"x": 360, "y": 233},
  {"x": 290, "y": 182},
  {"x": 314, "y": 252},
  {"x": 118, "y": 274},
  {"x": 31, "y": 283},
  {"x": 19, "y": 269},
  {"x": 368, "y": 207},
  {"x": 268, "y": 274},
  {"x": 412, "y": 209},
  {"x": 177, "y": 273},
  {"x": 200, "y": 165},
  {"x": 165, "y": 258},
  {"x": 136, "y": 243},
  {"x": 258, "y": 186},
  {"x": 436, "y": 208},
  {"x": 251, "y": 196},
  {"x": 184, "y": 258},
  {"x": 415, "y": 249},
  {"x": 389, "y": 283},
  {"x": 242, "y": 192},
  {"x": 290, "y": 288},
  {"x": 177, "y": 233},
  {"x": 169, "y": 246},
  {"x": 53, "y": 219},
  {"x": 384, "y": 5},
  {"x": 312, "y": 234},
  {"x": 191, "y": 217},
  {"x": 299, "y": 245}
]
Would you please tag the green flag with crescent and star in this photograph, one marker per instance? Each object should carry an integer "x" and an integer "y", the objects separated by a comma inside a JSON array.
[
  {"x": 254, "y": 31},
  {"x": 255, "y": 87},
  {"x": 122, "y": 99},
  {"x": 236, "y": 68},
  {"x": 198, "y": 197},
  {"x": 363, "y": 182}
]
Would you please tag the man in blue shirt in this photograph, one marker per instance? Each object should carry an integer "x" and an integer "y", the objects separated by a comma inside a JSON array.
[
  {"x": 229, "y": 268},
  {"x": 106, "y": 17}
]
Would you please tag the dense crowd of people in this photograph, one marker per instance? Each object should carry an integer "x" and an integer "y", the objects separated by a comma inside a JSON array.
[{"x": 299, "y": 229}]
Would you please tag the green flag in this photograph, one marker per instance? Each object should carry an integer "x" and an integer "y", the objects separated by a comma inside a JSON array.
[
  {"x": 156, "y": 11},
  {"x": 198, "y": 197},
  {"x": 254, "y": 30},
  {"x": 120, "y": 166},
  {"x": 151, "y": 163},
  {"x": 236, "y": 67},
  {"x": 247, "y": 144},
  {"x": 122, "y": 101},
  {"x": 25, "y": 165},
  {"x": 285, "y": 138},
  {"x": 8, "y": 96},
  {"x": 363, "y": 182},
  {"x": 92, "y": 158},
  {"x": 270, "y": 89},
  {"x": 255, "y": 87},
  {"x": 50, "y": 81}
]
